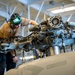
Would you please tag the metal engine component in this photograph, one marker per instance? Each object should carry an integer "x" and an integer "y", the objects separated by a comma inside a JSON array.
[
  {"x": 50, "y": 33},
  {"x": 55, "y": 21},
  {"x": 54, "y": 33}
]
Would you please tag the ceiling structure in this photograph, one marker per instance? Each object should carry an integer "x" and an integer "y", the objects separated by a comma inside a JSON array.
[
  {"x": 35, "y": 9},
  {"x": 46, "y": 6}
]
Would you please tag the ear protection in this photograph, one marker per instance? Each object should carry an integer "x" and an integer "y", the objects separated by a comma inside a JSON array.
[{"x": 15, "y": 19}]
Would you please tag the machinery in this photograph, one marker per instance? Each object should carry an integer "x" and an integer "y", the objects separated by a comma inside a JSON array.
[
  {"x": 7, "y": 45},
  {"x": 54, "y": 32},
  {"x": 18, "y": 43},
  {"x": 51, "y": 33}
]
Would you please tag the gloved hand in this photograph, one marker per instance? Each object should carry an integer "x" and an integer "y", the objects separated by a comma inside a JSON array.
[
  {"x": 35, "y": 28},
  {"x": 15, "y": 59}
]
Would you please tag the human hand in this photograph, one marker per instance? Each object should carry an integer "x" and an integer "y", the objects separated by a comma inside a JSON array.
[{"x": 15, "y": 59}]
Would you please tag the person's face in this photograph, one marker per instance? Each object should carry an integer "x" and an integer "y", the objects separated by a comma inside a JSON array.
[{"x": 16, "y": 26}]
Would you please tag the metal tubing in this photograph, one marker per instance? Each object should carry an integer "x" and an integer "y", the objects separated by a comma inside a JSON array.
[
  {"x": 39, "y": 11},
  {"x": 56, "y": 50}
]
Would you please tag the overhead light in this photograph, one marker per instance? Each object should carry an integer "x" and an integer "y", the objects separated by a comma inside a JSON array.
[{"x": 63, "y": 10}]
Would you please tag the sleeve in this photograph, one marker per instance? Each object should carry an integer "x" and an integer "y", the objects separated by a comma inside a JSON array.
[
  {"x": 25, "y": 21},
  {"x": 5, "y": 30},
  {"x": 2, "y": 28}
]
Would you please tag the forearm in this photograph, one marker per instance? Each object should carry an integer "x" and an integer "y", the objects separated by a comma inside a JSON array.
[
  {"x": 34, "y": 23},
  {"x": 26, "y": 22}
]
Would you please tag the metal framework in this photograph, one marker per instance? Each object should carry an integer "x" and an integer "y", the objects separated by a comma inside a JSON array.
[{"x": 44, "y": 6}]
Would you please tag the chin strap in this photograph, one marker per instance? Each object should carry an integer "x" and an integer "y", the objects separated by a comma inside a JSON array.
[{"x": 11, "y": 26}]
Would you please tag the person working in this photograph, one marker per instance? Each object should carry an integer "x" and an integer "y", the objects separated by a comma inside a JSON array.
[{"x": 8, "y": 30}]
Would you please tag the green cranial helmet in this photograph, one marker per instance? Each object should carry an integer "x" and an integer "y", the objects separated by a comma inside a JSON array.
[{"x": 15, "y": 19}]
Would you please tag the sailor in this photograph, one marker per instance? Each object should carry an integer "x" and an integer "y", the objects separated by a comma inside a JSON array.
[{"x": 8, "y": 30}]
